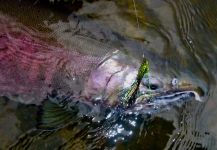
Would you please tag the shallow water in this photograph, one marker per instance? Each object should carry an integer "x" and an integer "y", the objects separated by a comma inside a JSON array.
[{"x": 179, "y": 38}]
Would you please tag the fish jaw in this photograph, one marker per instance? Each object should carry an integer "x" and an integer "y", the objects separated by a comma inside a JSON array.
[{"x": 168, "y": 97}]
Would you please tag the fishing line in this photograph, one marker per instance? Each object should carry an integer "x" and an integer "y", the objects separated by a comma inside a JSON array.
[{"x": 137, "y": 18}]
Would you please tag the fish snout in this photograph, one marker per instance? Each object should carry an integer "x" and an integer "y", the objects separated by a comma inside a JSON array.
[{"x": 153, "y": 90}]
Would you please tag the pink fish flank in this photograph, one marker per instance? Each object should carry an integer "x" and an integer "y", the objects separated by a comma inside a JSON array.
[{"x": 29, "y": 66}]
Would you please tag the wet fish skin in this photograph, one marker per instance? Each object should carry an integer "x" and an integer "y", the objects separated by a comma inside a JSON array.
[{"x": 30, "y": 67}]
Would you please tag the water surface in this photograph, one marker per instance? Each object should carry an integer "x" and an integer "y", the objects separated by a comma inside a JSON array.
[{"x": 177, "y": 37}]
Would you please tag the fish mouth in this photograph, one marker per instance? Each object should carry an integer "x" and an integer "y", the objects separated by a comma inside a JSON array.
[
  {"x": 158, "y": 102},
  {"x": 169, "y": 96}
]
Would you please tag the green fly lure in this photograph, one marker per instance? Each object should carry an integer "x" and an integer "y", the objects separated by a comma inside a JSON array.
[{"x": 129, "y": 96}]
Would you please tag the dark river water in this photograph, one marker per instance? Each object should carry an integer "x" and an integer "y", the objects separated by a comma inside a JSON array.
[{"x": 179, "y": 39}]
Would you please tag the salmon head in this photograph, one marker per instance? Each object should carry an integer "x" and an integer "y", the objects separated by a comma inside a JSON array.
[{"x": 117, "y": 74}]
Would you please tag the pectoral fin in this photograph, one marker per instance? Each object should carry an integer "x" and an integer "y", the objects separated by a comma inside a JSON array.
[{"x": 52, "y": 115}]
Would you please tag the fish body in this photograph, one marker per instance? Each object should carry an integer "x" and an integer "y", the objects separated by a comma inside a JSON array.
[{"x": 32, "y": 66}]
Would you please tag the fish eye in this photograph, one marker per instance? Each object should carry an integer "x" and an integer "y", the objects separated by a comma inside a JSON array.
[
  {"x": 152, "y": 83},
  {"x": 153, "y": 86}
]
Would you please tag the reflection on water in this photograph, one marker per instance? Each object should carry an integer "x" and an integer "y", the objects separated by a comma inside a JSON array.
[{"x": 177, "y": 37}]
